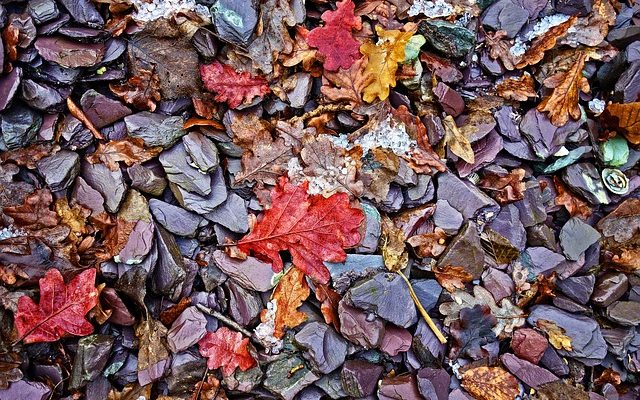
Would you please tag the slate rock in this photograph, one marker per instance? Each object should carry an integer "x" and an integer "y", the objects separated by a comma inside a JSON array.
[
  {"x": 584, "y": 179},
  {"x": 90, "y": 359},
  {"x": 399, "y": 388},
  {"x": 625, "y": 313},
  {"x": 576, "y": 237},
  {"x": 499, "y": 283},
  {"x": 447, "y": 218},
  {"x": 175, "y": 162},
  {"x": 59, "y": 169},
  {"x": 395, "y": 340},
  {"x": 627, "y": 88},
  {"x": 421, "y": 193},
  {"x": 234, "y": 20},
  {"x": 84, "y": 12},
  {"x": 324, "y": 348},
  {"x": 426, "y": 345},
  {"x": 147, "y": 178},
  {"x": 244, "y": 305},
  {"x": 155, "y": 129},
  {"x": 463, "y": 196},
  {"x": 44, "y": 97},
  {"x": 449, "y": 39},
  {"x": 110, "y": 184},
  {"x": 428, "y": 292},
  {"x": 360, "y": 378},
  {"x": 373, "y": 229},
  {"x": 578, "y": 288},
  {"x": 485, "y": 149},
  {"x": 529, "y": 373},
  {"x": 186, "y": 330},
  {"x": 544, "y": 138},
  {"x": 299, "y": 95},
  {"x": 283, "y": 382},
  {"x": 244, "y": 381},
  {"x": 360, "y": 327},
  {"x": 609, "y": 287},
  {"x": 466, "y": 250},
  {"x": 541, "y": 260},
  {"x": 355, "y": 266},
  {"x": 175, "y": 219},
  {"x": 26, "y": 390},
  {"x": 135, "y": 208},
  {"x": 529, "y": 345},
  {"x": 553, "y": 362},
  {"x": 202, "y": 151},
  {"x": 433, "y": 383},
  {"x": 88, "y": 197},
  {"x": 187, "y": 369},
  {"x": 169, "y": 274},
  {"x": 508, "y": 224},
  {"x": 386, "y": 295},
  {"x": 532, "y": 208},
  {"x": 69, "y": 53},
  {"x": 19, "y": 125},
  {"x": 102, "y": 110},
  {"x": 42, "y": 11},
  {"x": 619, "y": 340},
  {"x": 120, "y": 314},
  {"x": 574, "y": 7},
  {"x": 202, "y": 204},
  {"x": 587, "y": 342},
  {"x": 542, "y": 235},
  {"x": 331, "y": 384},
  {"x": 251, "y": 274},
  {"x": 450, "y": 100},
  {"x": 9, "y": 84},
  {"x": 505, "y": 15},
  {"x": 232, "y": 214}
]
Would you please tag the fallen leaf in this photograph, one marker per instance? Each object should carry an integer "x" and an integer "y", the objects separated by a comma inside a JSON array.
[
  {"x": 132, "y": 391},
  {"x": 452, "y": 277},
  {"x": 141, "y": 90},
  {"x": 30, "y": 155},
  {"x": 313, "y": 228},
  {"x": 592, "y": 29},
  {"x": 394, "y": 250},
  {"x": 547, "y": 41},
  {"x": 75, "y": 217},
  {"x": 377, "y": 169},
  {"x": 234, "y": 88},
  {"x": 61, "y": 309},
  {"x": 441, "y": 67},
  {"x": 301, "y": 53},
  {"x": 130, "y": 151},
  {"x": 383, "y": 59},
  {"x": 9, "y": 368},
  {"x": 334, "y": 40},
  {"x": 172, "y": 313},
  {"x": 347, "y": 85},
  {"x": 518, "y": 89},
  {"x": 490, "y": 383},
  {"x": 505, "y": 188},
  {"x": 472, "y": 331},
  {"x": 227, "y": 349},
  {"x": 458, "y": 143},
  {"x": 82, "y": 117},
  {"x": 556, "y": 334},
  {"x": 500, "y": 49},
  {"x": 574, "y": 205},
  {"x": 209, "y": 390},
  {"x": 266, "y": 161},
  {"x": 288, "y": 295},
  {"x": 153, "y": 353},
  {"x": 563, "y": 101},
  {"x": 429, "y": 244},
  {"x": 35, "y": 212},
  {"x": 623, "y": 118},
  {"x": 329, "y": 300},
  {"x": 498, "y": 247},
  {"x": 608, "y": 376},
  {"x": 560, "y": 390}
]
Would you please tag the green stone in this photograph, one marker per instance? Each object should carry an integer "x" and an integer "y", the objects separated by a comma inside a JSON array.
[
  {"x": 412, "y": 49},
  {"x": 449, "y": 39},
  {"x": 615, "y": 151}
]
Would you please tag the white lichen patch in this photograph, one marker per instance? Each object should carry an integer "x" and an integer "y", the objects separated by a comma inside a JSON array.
[
  {"x": 431, "y": 9},
  {"x": 10, "y": 232},
  {"x": 147, "y": 11},
  {"x": 389, "y": 134},
  {"x": 264, "y": 331}
]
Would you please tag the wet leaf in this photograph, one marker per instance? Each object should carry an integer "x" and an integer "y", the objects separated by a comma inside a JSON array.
[
  {"x": 35, "y": 212},
  {"x": 141, "y": 90},
  {"x": 574, "y": 205},
  {"x": 518, "y": 89},
  {"x": 452, "y": 277},
  {"x": 505, "y": 188},
  {"x": 556, "y": 334},
  {"x": 394, "y": 250},
  {"x": 498, "y": 247},
  {"x": 473, "y": 330},
  {"x": 130, "y": 151},
  {"x": 61, "y": 309},
  {"x": 546, "y": 42},
  {"x": 490, "y": 383},
  {"x": 226, "y": 349},
  {"x": 234, "y": 88},
  {"x": 592, "y": 29},
  {"x": 313, "y": 228},
  {"x": 429, "y": 244},
  {"x": 347, "y": 84},
  {"x": 329, "y": 300}
]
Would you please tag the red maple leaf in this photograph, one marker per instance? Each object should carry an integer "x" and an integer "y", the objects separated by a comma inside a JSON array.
[
  {"x": 334, "y": 40},
  {"x": 313, "y": 228},
  {"x": 61, "y": 310},
  {"x": 231, "y": 86},
  {"x": 227, "y": 349}
]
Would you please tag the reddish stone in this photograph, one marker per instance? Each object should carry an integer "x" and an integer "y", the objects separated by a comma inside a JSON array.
[{"x": 529, "y": 344}]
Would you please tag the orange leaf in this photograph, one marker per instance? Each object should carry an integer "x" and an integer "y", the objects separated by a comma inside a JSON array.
[
  {"x": 291, "y": 291},
  {"x": 625, "y": 119},
  {"x": 572, "y": 203},
  {"x": 452, "y": 277},
  {"x": 329, "y": 307},
  {"x": 518, "y": 89},
  {"x": 548, "y": 41},
  {"x": 130, "y": 151},
  {"x": 490, "y": 383}
]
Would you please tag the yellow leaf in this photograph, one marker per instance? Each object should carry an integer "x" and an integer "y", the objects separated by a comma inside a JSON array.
[
  {"x": 563, "y": 101},
  {"x": 490, "y": 383},
  {"x": 458, "y": 143},
  {"x": 394, "y": 251},
  {"x": 556, "y": 334},
  {"x": 383, "y": 61}
]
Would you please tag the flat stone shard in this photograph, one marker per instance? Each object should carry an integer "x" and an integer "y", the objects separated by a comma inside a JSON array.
[
  {"x": 110, "y": 184},
  {"x": 585, "y": 180},
  {"x": 359, "y": 378},
  {"x": 463, "y": 196},
  {"x": 576, "y": 237},
  {"x": 60, "y": 169},
  {"x": 175, "y": 219},
  {"x": 251, "y": 273},
  {"x": 325, "y": 349},
  {"x": 465, "y": 250},
  {"x": 285, "y": 383},
  {"x": 155, "y": 129}
]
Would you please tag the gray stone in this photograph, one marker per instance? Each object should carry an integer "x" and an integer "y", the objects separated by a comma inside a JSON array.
[
  {"x": 244, "y": 305},
  {"x": 386, "y": 295},
  {"x": 282, "y": 381},
  {"x": 251, "y": 273},
  {"x": 169, "y": 274},
  {"x": 357, "y": 326},
  {"x": 102, "y": 110},
  {"x": 505, "y": 15},
  {"x": 155, "y": 129},
  {"x": 578, "y": 288},
  {"x": 526, "y": 371},
  {"x": 465, "y": 250},
  {"x": 148, "y": 179},
  {"x": 175, "y": 219},
  {"x": 88, "y": 196},
  {"x": 187, "y": 369},
  {"x": 110, "y": 184},
  {"x": 532, "y": 208},
  {"x": 396, "y": 340},
  {"x": 325, "y": 349},
  {"x": 609, "y": 288},
  {"x": 585, "y": 180},
  {"x": 19, "y": 124},
  {"x": 299, "y": 95},
  {"x": 463, "y": 196},
  {"x": 371, "y": 237},
  {"x": 90, "y": 359},
  {"x": 428, "y": 292},
  {"x": 186, "y": 330},
  {"x": 576, "y": 237},
  {"x": 175, "y": 162},
  {"x": 232, "y": 214},
  {"x": 447, "y": 218},
  {"x": 202, "y": 151},
  {"x": 235, "y": 20},
  {"x": 354, "y": 267},
  {"x": 360, "y": 378},
  {"x": 202, "y": 204},
  {"x": 498, "y": 283},
  {"x": 625, "y": 313},
  {"x": 59, "y": 169},
  {"x": 508, "y": 224},
  {"x": 26, "y": 390}
]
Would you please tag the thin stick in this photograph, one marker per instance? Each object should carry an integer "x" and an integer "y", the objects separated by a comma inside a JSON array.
[
  {"x": 320, "y": 110},
  {"x": 426, "y": 316},
  {"x": 224, "y": 319}
]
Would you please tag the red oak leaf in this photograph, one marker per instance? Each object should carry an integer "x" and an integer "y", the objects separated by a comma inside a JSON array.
[
  {"x": 61, "y": 310},
  {"x": 334, "y": 40},
  {"x": 231, "y": 86},
  {"x": 227, "y": 349},
  {"x": 313, "y": 228}
]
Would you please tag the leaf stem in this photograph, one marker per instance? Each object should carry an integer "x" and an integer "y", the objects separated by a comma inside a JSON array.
[
  {"x": 423, "y": 312},
  {"x": 224, "y": 319}
]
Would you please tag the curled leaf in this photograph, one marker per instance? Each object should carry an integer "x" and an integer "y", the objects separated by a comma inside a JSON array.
[{"x": 458, "y": 143}]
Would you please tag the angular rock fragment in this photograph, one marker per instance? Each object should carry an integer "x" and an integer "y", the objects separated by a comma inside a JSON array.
[
  {"x": 202, "y": 151},
  {"x": 360, "y": 327},
  {"x": 155, "y": 129},
  {"x": 175, "y": 219},
  {"x": 325, "y": 349},
  {"x": 282, "y": 381},
  {"x": 60, "y": 169},
  {"x": 232, "y": 214},
  {"x": 360, "y": 378},
  {"x": 251, "y": 274},
  {"x": 186, "y": 330},
  {"x": 465, "y": 250},
  {"x": 576, "y": 237},
  {"x": 110, "y": 184}
]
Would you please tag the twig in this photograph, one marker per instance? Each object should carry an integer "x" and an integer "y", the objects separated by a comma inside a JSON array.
[
  {"x": 426, "y": 316},
  {"x": 320, "y": 110},
  {"x": 80, "y": 115},
  {"x": 224, "y": 319}
]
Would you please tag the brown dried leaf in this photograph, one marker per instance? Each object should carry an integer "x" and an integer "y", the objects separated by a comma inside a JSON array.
[
  {"x": 74, "y": 217},
  {"x": 209, "y": 390},
  {"x": 30, "y": 155},
  {"x": 563, "y": 101},
  {"x": 394, "y": 251},
  {"x": 441, "y": 67},
  {"x": 548, "y": 41},
  {"x": 592, "y": 29},
  {"x": 498, "y": 247},
  {"x": 518, "y": 89},
  {"x": 623, "y": 118},
  {"x": 429, "y": 244},
  {"x": 291, "y": 291},
  {"x": 266, "y": 161},
  {"x": 301, "y": 53},
  {"x": 376, "y": 170},
  {"x": 458, "y": 143},
  {"x": 452, "y": 277},
  {"x": 490, "y": 383},
  {"x": 130, "y": 151},
  {"x": 172, "y": 313},
  {"x": 329, "y": 299},
  {"x": 505, "y": 188},
  {"x": 9, "y": 369},
  {"x": 556, "y": 334},
  {"x": 36, "y": 211},
  {"x": 346, "y": 85},
  {"x": 141, "y": 90},
  {"x": 574, "y": 205},
  {"x": 81, "y": 116},
  {"x": 499, "y": 49}
]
